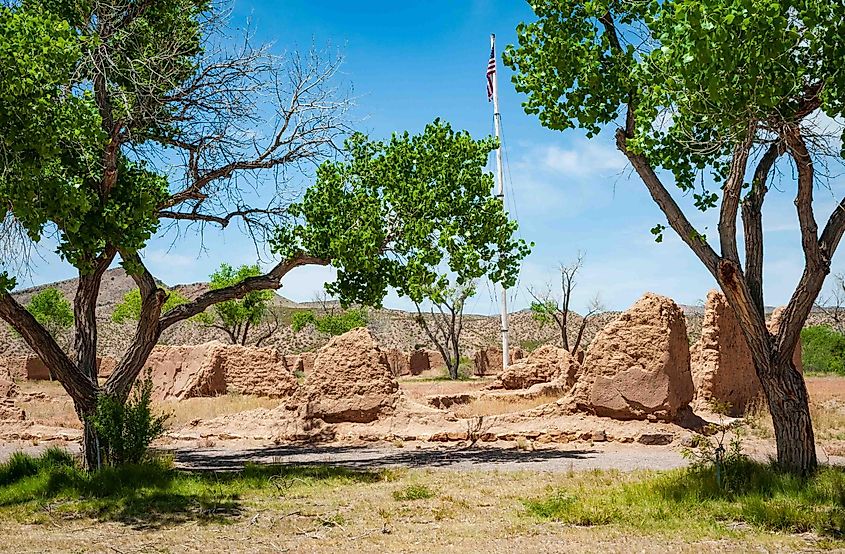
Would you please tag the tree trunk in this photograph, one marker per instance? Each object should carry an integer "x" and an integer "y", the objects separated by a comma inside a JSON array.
[
  {"x": 453, "y": 366},
  {"x": 789, "y": 405},
  {"x": 90, "y": 445}
]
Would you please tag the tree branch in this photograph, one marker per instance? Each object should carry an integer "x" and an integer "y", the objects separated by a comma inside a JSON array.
[
  {"x": 78, "y": 385},
  {"x": 269, "y": 281},
  {"x": 752, "y": 221},
  {"x": 731, "y": 195}
]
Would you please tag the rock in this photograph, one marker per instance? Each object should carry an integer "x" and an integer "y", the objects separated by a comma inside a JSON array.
[
  {"x": 255, "y": 371},
  {"x": 292, "y": 363},
  {"x": 187, "y": 371},
  {"x": 546, "y": 364},
  {"x": 10, "y": 412},
  {"x": 8, "y": 387},
  {"x": 774, "y": 325},
  {"x": 350, "y": 381},
  {"x": 15, "y": 366},
  {"x": 488, "y": 361},
  {"x": 722, "y": 368},
  {"x": 639, "y": 364},
  {"x": 598, "y": 436},
  {"x": 419, "y": 362},
  {"x": 655, "y": 438},
  {"x": 446, "y": 401},
  {"x": 307, "y": 361}
]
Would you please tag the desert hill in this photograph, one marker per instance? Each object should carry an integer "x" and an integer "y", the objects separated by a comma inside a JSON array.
[{"x": 393, "y": 328}]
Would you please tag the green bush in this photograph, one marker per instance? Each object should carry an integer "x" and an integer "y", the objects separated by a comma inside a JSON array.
[
  {"x": 331, "y": 324},
  {"x": 126, "y": 430},
  {"x": 530, "y": 345},
  {"x": 823, "y": 349}
]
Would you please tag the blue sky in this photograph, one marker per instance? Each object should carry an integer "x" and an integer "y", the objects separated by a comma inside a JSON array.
[{"x": 412, "y": 62}]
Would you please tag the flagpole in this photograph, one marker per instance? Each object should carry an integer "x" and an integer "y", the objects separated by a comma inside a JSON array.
[{"x": 497, "y": 123}]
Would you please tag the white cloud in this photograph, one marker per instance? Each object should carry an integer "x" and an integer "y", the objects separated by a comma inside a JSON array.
[{"x": 582, "y": 159}]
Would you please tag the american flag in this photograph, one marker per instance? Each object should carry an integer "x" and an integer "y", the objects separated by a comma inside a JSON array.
[{"x": 491, "y": 72}]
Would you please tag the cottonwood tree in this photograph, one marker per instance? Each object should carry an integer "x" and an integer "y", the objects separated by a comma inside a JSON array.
[
  {"x": 445, "y": 322},
  {"x": 129, "y": 309},
  {"x": 712, "y": 96},
  {"x": 547, "y": 309},
  {"x": 118, "y": 116}
]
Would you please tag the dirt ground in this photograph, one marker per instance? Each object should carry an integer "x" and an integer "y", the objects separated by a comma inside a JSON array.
[
  {"x": 48, "y": 406},
  {"x": 468, "y": 512}
]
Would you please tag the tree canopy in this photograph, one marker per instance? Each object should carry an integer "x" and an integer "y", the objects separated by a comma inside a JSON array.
[
  {"x": 118, "y": 117},
  {"x": 237, "y": 317},
  {"x": 413, "y": 213}
]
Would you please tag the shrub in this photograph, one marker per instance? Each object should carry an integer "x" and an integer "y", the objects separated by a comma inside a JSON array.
[
  {"x": 823, "y": 349},
  {"x": 331, "y": 324},
  {"x": 530, "y": 345},
  {"x": 126, "y": 430}
]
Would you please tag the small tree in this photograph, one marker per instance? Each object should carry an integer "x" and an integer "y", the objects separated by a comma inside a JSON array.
[
  {"x": 444, "y": 323},
  {"x": 833, "y": 305},
  {"x": 130, "y": 308},
  {"x": 51, "y": 309},
  {"x": 547, "y": 309},
  {"x": 237, "y": 318},
  {"x": 332, "y": 323}
]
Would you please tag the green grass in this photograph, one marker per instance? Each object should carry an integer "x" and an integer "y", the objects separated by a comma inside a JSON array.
[
  {"x": 413, "y": 492},
  {"x": 690, "y": 500},
  {"x": 153, "y": 492}
]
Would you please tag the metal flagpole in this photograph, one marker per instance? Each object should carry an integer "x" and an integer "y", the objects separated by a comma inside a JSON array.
[{"x": 497, "y": 117}]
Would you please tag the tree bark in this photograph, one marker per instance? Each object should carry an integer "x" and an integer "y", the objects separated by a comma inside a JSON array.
[{"x": 789, "y": 405}]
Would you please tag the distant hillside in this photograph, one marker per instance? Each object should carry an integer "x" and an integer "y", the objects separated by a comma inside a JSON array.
[{"x": 393, "y": 328}]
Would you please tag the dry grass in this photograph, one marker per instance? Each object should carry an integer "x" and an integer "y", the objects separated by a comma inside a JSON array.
[
  {"x": 490, "y": 406},
  {"x": 49, "y": 404},
  {"x": 410, "y": 511},
  {"x": 827, "y": 409},
  {"x": 185, "y": 411}
]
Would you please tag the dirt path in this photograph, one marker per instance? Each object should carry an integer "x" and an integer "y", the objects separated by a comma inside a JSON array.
[{"x": 577, "y": 458}]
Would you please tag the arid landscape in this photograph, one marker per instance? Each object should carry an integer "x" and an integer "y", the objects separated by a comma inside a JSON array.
[
  {"x": 362, "y": 403},
  {"x": 513, "y": 276}
]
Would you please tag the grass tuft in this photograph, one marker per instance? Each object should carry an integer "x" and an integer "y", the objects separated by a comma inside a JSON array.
[
  {"x": 413, "y": 492},
  {"x": 756, "y": 494}
]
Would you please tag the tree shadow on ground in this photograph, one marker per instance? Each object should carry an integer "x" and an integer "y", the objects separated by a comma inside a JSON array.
[
  {"x": 370, "y": 458},
  {"x": 152, "y": 494}
]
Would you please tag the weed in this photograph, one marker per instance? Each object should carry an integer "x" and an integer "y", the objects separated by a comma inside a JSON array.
[{"x": 413, "y": 492}]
